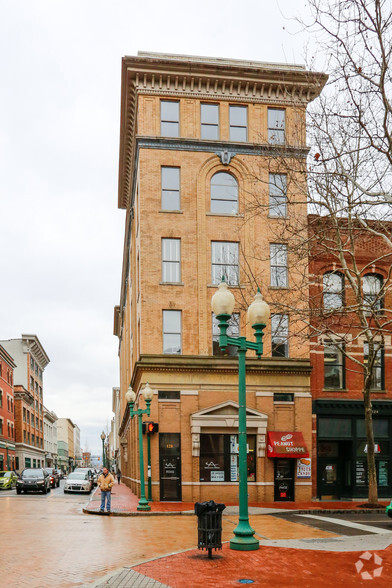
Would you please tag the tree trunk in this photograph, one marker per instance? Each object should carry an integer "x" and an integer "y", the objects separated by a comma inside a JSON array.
[{"x": 372, "y": 474}]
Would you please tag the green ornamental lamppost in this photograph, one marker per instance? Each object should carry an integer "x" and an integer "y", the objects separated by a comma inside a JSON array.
[
  {"x": 103, "y": 437},
  {"x": 258, "y": 314},
  {"x": 8, "y": 456},
  {"x": 130, "y": 396}
]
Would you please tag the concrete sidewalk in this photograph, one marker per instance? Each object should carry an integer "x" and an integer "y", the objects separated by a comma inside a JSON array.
[{"x": 124, "y": 503}]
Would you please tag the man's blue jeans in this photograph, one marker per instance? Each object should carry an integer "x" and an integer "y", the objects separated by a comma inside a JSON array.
[{"x": 105, "y": 495}]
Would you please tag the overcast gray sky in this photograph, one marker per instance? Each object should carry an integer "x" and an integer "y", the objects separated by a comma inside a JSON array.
[{"x": 61, "y": 234}]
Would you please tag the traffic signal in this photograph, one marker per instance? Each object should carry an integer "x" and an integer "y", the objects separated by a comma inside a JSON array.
[{"x": 150, "y": 427}]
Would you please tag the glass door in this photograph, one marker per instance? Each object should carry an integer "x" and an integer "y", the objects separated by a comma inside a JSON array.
[
  {"x": 170, "y": 466},
  {"x": 284, "y": 479}
]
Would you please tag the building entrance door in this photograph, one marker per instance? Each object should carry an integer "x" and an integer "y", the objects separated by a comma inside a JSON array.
[
  {"x": 170, "y": 466},
  {"x": 284, "y": 479},
  {"x": 329, "y": 478}
]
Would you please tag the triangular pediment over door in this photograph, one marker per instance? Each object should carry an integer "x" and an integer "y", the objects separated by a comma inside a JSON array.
[{"x": 223, "y": 418}]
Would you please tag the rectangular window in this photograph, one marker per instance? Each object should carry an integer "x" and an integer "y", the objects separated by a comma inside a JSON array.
[
  {"x": 24, "y": 414},
  {"x": 31, "y": 384},
  {"x": 32, "y": 440},
  {"x": 168, "y": 395},
  {"x": 219, "y": 458},
  {"x": 277, "y": 195},
  {"x": 171, "y": 260},
  {"x": 333, "y": 367},
  {"x": 170, "y": 177},
  {"x": 224, "y": 262},
  {"x": 280, "y": 335},
  {"x": 238, "y": 123},
  {"x": 172, "y": 331},
  {"x": 1, "y": 398},
  {"x": 170, "y": 118},
  {"x": 283, "y": 397},
  {"x": 377, "y": 380},
  {"x": 334, "y": 428},
  {"x": 209, "y": 118},
  {"x": 28, "y": 417},
  {"x": 232, "y": 331},
  {"x": 1, "y": 427},
  {"x": 276, "y": 126},
  {"x": 27, "y": 462},
  {"x": 278, "y": 260}
]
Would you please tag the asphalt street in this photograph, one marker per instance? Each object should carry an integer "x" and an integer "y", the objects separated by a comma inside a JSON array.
[{"x": 352, "y": 524}]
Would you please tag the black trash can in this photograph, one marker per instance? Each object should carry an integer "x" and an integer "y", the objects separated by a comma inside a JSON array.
[{"x": 209, "y": 525}]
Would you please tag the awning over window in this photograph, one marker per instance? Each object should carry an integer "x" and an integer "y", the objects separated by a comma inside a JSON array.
[{"x": 286, "y": 445}]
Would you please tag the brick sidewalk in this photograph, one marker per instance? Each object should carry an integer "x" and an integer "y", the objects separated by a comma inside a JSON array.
[{"x": 124, "y": 503}]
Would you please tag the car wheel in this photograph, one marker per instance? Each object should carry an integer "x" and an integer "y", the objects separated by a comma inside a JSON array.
[{"x": 44, "y": 490}]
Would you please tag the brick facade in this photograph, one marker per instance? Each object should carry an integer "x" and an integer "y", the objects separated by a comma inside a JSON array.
[
  {"x": 7, "y": 411},
  {"x": 205, "y": 385}
]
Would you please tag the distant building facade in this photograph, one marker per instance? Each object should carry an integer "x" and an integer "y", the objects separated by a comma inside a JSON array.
[
  {"x": 77, "y": 449},
  {"x": 7, "y": 411},
  {"x": 31, "y": 360},
  {"x": 50, "y": 438},
  {"x": 65, "y": 439}
]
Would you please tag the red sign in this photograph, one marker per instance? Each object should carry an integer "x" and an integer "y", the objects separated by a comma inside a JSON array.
[{"x": 286, "y": 445}]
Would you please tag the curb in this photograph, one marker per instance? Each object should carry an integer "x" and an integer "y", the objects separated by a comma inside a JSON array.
[{"x": 325, "y": 511}]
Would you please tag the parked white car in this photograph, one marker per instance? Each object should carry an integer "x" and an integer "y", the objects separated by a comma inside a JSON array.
[{"x": 78, "y": 482}]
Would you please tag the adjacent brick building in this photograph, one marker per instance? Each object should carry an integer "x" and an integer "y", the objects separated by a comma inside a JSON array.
[
  {"x": 200, "y": 137},
  {"x": 339, "y": 437},
  {"x": 7, "y": 411},
  {"x": 31, "y": 360}
]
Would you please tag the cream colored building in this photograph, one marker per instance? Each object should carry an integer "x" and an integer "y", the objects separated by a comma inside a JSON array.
[
  {"x": 202, "y": 140},
  {"x": 65, "y": 435}
]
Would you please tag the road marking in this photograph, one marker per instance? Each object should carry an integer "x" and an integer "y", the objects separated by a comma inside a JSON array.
[{"x": 368, "y": 528}]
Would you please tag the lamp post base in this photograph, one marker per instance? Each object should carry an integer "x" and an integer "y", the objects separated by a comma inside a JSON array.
[
  {"x": 244, "y": 539},
  {"x": 244, "y": 543},
  {"x": 143, "y": 505}
]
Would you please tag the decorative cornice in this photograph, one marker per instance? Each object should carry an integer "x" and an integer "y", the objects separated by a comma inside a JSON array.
[{"x": 34, "y": 346}]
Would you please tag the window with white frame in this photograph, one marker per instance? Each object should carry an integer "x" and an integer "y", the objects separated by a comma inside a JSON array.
[
  {"x": 277, "y": 195},
  {"x": 170, "y": 182},
  {"x": 377, "y": 378},
  {"x": 224, "y": 193},
  {"x": 171, "y": 260},
  {"x": 224, "y": 262},
  {"x": 276, "y": 126},
  {"x": 371, "y": 286},
  {"x": 333, "y": 366},
  {"x": 238, "y": 123},
  {"x": 278, "y": 263},
  {"x": 333, "y": 283},
  {"x": 233, "y": 330},
  {"x": 209, "y": 119},
  {"x": 280, "y": 335},
  {"x": 170, "y": 118},
  {"x": 172, "y": 343}
]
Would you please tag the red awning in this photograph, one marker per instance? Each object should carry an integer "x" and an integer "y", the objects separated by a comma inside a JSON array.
[{"x": 286, "y": 445}]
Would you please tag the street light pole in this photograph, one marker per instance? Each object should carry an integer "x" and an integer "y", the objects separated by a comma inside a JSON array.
[
  {"x": 8, "y": 457},
  {"x": 103, "y": 437},
  {"x": 258, "y": 313},
  {"x": 130, "y": 398}
]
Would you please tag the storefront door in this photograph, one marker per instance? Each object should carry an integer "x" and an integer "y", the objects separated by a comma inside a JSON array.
[
  {"x": 329, "y": 479},
  {"x": 170, "y": 466},
  {"x": 284, "y": 479}
]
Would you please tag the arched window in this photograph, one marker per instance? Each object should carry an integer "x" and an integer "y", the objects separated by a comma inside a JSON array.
[
  {"x": 371, "y": 287},
  {"x": 333, "y": 290},
  {"x": 224, "y": 193}
]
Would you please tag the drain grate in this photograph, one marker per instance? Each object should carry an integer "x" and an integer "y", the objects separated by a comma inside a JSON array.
[{"x": 245, "y": 581}]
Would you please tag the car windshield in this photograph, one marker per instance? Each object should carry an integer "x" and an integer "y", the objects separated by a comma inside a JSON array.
[
  {"x": 5, "y": 474},
  {"x": 33, "y": 474},
  {"x": 77, "y": 476}
]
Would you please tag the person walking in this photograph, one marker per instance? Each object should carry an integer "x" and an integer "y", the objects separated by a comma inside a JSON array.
[
  {"x": 118, "y": 475},
  {"x": 105, "y": 482}
]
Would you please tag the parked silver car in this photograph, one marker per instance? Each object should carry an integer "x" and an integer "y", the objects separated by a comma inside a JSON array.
[
  {"x": 78, "y": 482},
  {"x": 91, "y": 473}
]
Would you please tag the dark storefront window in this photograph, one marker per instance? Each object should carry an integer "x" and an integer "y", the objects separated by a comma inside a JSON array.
[
  {"x": 330, "y": 428},
  {"x": 380, "y": 428},
  {"x": 219, "y": 458}
]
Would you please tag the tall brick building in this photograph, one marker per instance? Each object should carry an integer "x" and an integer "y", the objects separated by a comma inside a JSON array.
[
  {"x": 7, "y": 411},
  {"x": 31, "y": 360},
  {"x": 195, "y": 135},
  {"x": 337, "y": 380}
]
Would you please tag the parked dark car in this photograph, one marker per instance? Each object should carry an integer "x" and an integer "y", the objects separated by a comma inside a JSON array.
[
  {"x": 54, "y": 477},
  {"x": 33, "y": 480}
]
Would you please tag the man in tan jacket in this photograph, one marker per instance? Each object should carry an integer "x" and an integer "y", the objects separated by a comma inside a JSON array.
[{"x": 105, "y": 482}]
